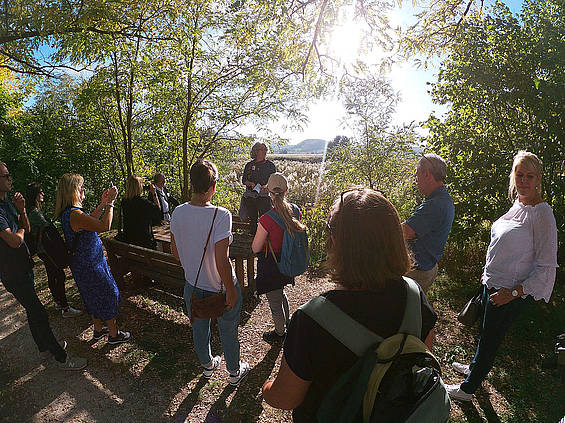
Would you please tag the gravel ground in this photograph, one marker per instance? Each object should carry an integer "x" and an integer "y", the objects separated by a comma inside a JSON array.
[{"x": 154, "y": 378}]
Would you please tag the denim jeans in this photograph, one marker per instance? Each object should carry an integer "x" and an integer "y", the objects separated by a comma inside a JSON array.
[
  {"x": 496, "y": 322},
  {"x": 227, "y": 325},
  {"x": 22, "y": 287}
]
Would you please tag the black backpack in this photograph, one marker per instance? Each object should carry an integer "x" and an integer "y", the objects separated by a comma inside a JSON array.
[
  {"x": 394, "y": 379},
  {"x": 54, "y": 246}
]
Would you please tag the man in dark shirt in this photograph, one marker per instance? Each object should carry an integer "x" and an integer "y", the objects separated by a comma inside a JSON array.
[
  {"x": 16, "y": 273},
  {"x": 256, "y": 200}
]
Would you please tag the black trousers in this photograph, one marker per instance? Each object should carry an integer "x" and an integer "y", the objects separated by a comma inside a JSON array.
[
  {"x": 56, "y": 281},
  {"x": 22, "y": 287},
  {"x": 256, "y": 208}
]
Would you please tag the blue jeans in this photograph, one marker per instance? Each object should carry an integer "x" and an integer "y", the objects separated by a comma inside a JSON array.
[
  {"x": 496, "y": 322},
  {"x": 227, "y": 324},
  {"x": 22, "y": 287}
]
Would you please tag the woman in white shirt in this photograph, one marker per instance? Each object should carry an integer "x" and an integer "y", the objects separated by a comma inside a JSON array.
[
  {"x": 521, "y": 262},
  {"x": 190, "y": 225}
]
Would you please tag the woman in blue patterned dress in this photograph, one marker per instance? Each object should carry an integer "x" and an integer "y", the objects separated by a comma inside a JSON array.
[{"x": 90, "y": 270}]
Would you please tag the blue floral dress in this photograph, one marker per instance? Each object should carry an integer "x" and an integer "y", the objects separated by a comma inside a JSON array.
[{"x": 90, "y": 270}]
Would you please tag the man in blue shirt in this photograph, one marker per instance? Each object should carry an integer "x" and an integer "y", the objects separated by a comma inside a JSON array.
[
  {"x": 16, "y": 273},
  {"x": 428, "y": 227}
]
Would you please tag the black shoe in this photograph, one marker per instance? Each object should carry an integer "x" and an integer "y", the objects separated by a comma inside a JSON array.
[
  {"x": 273, "y": 336},
  {"x": 120, "y": 338},
  {"x": 96, "y": 335},
  {"x": 549, "y": 363}
]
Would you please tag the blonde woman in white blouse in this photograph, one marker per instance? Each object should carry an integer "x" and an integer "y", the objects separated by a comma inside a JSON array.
[{"x": 521, "y": 262}]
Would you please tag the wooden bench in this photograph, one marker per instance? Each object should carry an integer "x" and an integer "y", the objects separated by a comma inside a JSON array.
[
  {"x": 164, "y": 267},
  {"x": 124, "y": 258}
]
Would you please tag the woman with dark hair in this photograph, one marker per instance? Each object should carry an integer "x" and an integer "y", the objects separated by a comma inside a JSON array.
[
  {"x": 55, "y": 276},
  {"x": 256, "y": 200},
  {"x": 520, "y": 267},
  {"x": 139, "y": 212},
  {"x": 195, "y": 226},
  {"x": 367, "y": 258},
  {"x": 268, "y": 246},
  {"x": 92, "y": 275}
]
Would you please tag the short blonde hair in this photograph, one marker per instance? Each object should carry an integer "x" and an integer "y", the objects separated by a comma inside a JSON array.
[
  {"x": 68, "y": 192},
  {"x": 134, "y": 187},
  {"x": 529, "y": 160},
  {"x": 256, "y": 148}
]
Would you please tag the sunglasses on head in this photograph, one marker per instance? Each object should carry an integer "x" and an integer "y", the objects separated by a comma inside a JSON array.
[{"x": 344, "y": 194}]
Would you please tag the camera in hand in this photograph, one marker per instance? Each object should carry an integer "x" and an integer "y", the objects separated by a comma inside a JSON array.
[{"x": 146, "y": 187}]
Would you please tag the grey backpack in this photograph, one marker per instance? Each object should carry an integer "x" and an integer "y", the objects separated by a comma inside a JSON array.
[{"x": 395, "y": 379}]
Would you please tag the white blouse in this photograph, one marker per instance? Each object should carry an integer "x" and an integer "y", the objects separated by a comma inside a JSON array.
[{"x": 523, "y": 251}]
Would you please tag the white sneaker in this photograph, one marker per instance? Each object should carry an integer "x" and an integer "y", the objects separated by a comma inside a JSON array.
[
  {"x": 456, "y": 393},
  {"x": 72, "y": 363},
  {"x": 70, "y": 312},
  {"x": 462, "y": 369},
  {"x": 209, "y": 371},
  {"x": 236, "y": 379}
]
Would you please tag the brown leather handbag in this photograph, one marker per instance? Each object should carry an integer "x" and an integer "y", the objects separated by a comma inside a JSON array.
[{"x": 210, "y": 307}]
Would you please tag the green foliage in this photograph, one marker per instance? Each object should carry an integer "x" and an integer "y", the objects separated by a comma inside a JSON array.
[{"x": 504, "y": 81}]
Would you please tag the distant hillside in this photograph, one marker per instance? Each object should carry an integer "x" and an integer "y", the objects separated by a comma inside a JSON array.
[{"x": 309, "y": 146}]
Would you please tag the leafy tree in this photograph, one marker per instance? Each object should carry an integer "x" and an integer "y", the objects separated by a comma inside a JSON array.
[
  {"x": 504, "y": 81},
  {"x": 379, "y": 155}
]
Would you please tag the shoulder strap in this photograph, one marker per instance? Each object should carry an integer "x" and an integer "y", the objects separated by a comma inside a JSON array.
[
  {"x": 275, "y": 216},
  {"x": 412, "y": 320},
  {"x": 205, "y": 248},
  {"x": 296, "y": 211},
  {"x": 345, "y": 329}
]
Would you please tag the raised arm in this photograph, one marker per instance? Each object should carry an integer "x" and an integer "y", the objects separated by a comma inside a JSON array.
[{"x": 15, "y": 239}]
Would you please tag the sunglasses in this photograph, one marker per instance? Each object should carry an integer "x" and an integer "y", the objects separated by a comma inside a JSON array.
[{"x": 344, "y": 193}]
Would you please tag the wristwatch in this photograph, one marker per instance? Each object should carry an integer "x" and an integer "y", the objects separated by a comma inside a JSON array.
[{"x": 514, "y": 292}]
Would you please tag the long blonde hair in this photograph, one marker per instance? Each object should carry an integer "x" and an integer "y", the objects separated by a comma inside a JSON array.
[
  {"x": 134, "y": 187},
  {"x": 68, "y": 192},
  {"x": 286, "y": 212},
  {"x": 529, "y": 160}
]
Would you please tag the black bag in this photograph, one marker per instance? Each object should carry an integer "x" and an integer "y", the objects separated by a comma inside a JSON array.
[
  {"x": 473, "y": 309},
  {"x": 54, "y": 246}
]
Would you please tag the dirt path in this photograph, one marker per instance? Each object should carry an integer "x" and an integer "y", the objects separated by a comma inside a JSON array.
[{"x": 154, "y": 378}]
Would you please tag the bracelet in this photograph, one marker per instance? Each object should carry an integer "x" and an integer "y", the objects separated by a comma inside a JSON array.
[{"x": 109, "y": 205}]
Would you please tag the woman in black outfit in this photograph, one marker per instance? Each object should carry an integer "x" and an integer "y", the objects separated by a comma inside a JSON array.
[
  {"x": 256, "y": 200},
  {"x": 55, "y": 276},
  {"x": 138, "y": 213},
  {"x": 367, "y": 256}
]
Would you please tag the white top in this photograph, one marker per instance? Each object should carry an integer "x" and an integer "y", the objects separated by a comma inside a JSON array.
[
  {"x": 523, "y": 251},
  {"x": 190, "y": 226}
]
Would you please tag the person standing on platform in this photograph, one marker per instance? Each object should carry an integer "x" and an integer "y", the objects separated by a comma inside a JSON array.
[
  {"x": 256, "y": 200},
  {"x": 428, "y": 228}
]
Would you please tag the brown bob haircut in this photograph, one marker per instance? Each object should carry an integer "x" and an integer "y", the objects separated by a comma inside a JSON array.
[{"x": 366, "y": 246}]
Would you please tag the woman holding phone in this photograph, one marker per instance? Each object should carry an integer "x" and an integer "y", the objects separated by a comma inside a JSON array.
[{"x": 90, "y": 270}]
